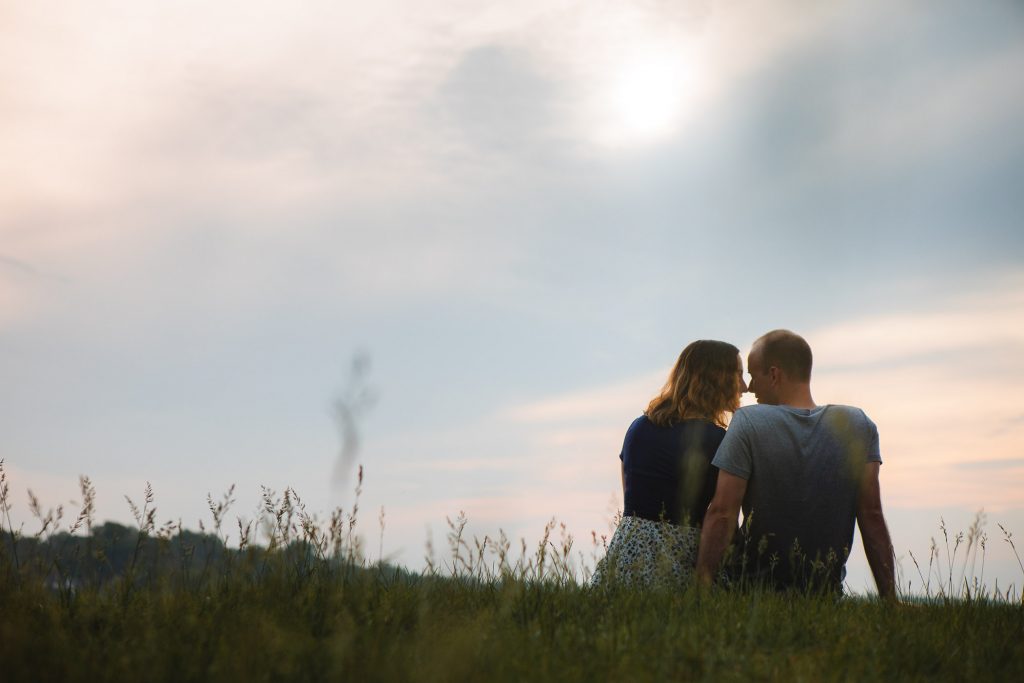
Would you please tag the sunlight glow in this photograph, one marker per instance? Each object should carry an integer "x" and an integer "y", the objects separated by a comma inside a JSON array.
[{"x": 647, "y": 97}]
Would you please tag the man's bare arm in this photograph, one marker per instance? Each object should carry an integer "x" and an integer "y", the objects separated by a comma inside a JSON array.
[
  {"x": 874, "y": 533},
  {"x": 719, "y": 524}
]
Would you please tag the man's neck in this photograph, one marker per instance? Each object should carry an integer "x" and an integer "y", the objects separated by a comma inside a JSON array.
[{"x": 799, "y": 397}]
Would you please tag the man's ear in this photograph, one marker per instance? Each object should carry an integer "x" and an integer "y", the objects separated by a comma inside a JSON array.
[{"x": 775, "y": 374}]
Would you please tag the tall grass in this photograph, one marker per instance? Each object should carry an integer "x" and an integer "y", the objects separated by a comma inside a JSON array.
[
  {"x": 955, "y": 568},
  {"x": 298, "y": 599}
]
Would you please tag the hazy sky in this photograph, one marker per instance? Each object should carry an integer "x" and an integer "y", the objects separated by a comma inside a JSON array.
[{"x": 520, "y": 212}]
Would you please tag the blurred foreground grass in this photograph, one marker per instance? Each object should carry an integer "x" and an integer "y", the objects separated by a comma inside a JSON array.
[{"x": 162, "y": 604}]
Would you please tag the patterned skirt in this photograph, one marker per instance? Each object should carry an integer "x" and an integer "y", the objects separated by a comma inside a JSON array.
[{"x": 643, "y": 553}]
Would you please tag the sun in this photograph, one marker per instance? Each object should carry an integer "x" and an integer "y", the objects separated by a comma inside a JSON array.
[{"x": 646, "y": 98}]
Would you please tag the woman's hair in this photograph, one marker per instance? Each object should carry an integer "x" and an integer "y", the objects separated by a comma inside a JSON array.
[{"x": 702, "y": 385}]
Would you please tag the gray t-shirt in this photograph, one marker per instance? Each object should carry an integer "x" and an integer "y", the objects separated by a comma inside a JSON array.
[{"x": 803, "y": 470}]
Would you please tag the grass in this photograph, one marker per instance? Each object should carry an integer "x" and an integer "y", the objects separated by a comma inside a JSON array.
[{"x": 160, "y": 603}]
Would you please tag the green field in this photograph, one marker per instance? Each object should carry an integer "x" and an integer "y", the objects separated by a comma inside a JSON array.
[{"x": 109, "y": 602}]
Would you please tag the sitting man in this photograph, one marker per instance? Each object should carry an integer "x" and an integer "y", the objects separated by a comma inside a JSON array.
[{"x": 802, "y": 474}]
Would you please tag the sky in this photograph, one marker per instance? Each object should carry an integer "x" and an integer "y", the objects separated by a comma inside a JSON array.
[{"x": 488, "y": 229}]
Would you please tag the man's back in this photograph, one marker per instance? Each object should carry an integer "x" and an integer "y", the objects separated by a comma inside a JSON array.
[{"x": 803, "y": 468}]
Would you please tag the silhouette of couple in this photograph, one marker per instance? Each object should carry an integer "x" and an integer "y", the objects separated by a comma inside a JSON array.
[{"x": 803, "y": 474}]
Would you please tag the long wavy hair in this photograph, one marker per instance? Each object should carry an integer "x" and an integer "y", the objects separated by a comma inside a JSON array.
[{"x": 703, "y": 385}]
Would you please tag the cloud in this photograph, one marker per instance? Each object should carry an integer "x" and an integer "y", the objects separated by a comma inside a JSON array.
[
  {"x": 1002, "y": 464},
  {"x": 983, "y": 321},
  {"x": 592, "y": 405},
  {"x": 17, "y": 266},
  {"x": 24, "y": 287},
  {"x": 498, "y": 100},
  {"x": 949, "y": 109}
]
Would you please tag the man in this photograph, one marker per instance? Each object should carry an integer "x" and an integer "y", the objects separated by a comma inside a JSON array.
[{"x": 802, "y": 473}]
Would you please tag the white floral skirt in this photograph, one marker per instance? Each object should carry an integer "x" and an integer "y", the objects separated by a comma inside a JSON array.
[{"x": 644, "y": 553}]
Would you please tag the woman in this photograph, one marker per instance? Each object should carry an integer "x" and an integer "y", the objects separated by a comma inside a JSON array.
[{"x": 667, "y": 477}]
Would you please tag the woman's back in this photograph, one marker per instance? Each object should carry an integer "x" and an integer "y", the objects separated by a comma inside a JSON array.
[{"x": 667, "y": 471}]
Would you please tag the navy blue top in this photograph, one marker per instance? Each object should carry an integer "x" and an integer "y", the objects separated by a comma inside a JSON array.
[{"x": 667, "y": 470}]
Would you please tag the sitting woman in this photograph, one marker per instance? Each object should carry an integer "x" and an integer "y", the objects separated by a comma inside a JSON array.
[{"x": 667, "y": 477}]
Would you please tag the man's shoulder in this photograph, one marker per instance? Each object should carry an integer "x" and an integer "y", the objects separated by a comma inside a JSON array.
[
  {"x": 759, "y": 412},
  {"x": 765, "y": 415},
  {"x": 768, "y": 411},
  {"x": 845, "y": 408},
  {"x": 758, "y": 409},
  {"x": 850, "y": 413}
]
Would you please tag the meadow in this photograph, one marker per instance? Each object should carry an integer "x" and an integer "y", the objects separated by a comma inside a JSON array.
[{"x": 295, "y": 599}]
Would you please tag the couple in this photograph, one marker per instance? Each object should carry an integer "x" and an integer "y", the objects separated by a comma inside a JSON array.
[{"x": 801, "y": 473}]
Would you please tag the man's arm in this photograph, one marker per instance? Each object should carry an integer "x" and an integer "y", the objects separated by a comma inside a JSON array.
[
  {"x": 874, "y": 534},
  {"x": 719, "y": 524}
]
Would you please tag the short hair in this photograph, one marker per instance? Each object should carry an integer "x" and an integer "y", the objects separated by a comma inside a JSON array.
[{"x": 788, "y": 351}]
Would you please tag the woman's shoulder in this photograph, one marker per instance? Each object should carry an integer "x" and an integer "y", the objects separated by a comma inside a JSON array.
[
  {"x": 693, "y": 430},
  {"x": 687, "y": 426},
  {"x": 702, "y": 426},
  {"x": 639, "y": 423}
]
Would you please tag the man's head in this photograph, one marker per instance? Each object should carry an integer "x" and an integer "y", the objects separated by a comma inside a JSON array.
[{"x": 779, "y": 364}]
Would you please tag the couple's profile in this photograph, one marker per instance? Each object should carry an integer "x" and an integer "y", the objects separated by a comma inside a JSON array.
[{"x": 803, "y": 475}]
